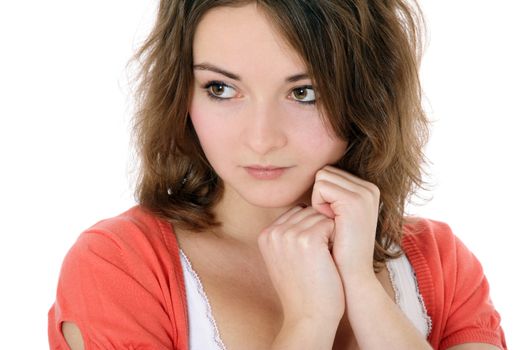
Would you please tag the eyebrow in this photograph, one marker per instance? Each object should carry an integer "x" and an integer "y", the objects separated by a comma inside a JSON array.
[{"x": 211, "y": 67}]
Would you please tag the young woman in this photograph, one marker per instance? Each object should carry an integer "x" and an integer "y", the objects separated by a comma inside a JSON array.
[{"x": 279, "y": 144}]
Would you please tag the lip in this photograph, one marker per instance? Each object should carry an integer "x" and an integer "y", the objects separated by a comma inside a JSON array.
[
  {"x": 264, "y": 167},
  {"x": 265, "y": 172}
]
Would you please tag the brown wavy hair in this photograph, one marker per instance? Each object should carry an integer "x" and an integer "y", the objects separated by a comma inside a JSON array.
[{"x": 363, "y": 55}]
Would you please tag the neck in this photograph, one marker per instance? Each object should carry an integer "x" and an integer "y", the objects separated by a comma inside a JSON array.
[{"x": 243, "y": 222}]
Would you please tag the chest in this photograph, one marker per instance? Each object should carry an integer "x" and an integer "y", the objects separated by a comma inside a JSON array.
[
  {"x": 240, "y": 297},
  {"x": 243, "y": 303}
]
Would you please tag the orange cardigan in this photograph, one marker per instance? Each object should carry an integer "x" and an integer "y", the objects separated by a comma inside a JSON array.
[{"x": 122, "y": 283}]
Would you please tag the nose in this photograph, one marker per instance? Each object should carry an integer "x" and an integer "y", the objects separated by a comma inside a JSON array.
[{"x": 264, "y": 130}]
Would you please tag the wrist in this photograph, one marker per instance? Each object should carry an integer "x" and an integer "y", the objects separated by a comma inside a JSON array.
[
  {"x": 306, "y": 333},
  {"x": 355, "y": 268},
  {"x": 360, "y": 281}
]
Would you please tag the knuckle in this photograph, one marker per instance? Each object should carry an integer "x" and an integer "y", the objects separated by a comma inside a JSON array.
[
  {"x": 269, "y": 235},
  {"x": 375, "y": 190},
  {"x": 290, "y": 234},
  {"x": 273, "y": 235},
  {"x": 263, "y": 237},
  {"x": 305, "y": 241},
  {"x": 320, "y": 174}
]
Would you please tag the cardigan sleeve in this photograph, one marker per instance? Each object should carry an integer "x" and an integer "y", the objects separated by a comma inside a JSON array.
[
  {"x": 471, "y": 315},
  {"x": 112, "y": 295},
  {"x": 453, "y": 286}
]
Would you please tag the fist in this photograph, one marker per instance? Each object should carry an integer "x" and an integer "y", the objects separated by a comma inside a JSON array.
[{"x": 296, "y": 251}]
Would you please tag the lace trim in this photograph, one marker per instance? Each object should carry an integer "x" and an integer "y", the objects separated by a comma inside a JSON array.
[
  {"x": 391, "y": 273},
  {"x": 209, "y": 313},
  {"x": 422, "y": 302}
]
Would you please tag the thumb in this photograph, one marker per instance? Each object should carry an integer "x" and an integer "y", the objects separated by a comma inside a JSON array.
[
  {"x": 324, "y": 208},
  {"x": 321, "y": 204}
]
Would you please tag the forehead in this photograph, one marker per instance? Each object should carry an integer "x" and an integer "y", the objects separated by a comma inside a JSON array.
[{"x": 243, "y": 38}]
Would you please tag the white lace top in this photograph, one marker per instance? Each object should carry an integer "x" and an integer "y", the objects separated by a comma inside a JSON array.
[{"x": 204, "y": 334}]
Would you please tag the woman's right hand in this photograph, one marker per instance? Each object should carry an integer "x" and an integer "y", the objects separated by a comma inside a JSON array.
[{"x": 296, "y": 251}]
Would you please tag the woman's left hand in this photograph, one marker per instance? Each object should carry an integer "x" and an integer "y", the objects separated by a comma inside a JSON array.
[{"x": 353, "y": 204}]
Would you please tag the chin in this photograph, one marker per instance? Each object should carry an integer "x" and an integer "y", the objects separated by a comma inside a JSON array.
[{"x": 274, "y": 198}]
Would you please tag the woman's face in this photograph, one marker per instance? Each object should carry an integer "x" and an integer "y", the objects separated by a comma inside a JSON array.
[{"x": 252, "y": 106}]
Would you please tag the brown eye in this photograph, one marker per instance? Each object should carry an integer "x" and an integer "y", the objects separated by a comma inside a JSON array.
[
  {"x": 300, "y": 93},
  {"x": 304, "y": 94},
  {"x": 217, "y": 89}
]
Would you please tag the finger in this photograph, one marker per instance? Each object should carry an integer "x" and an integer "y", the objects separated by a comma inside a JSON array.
[
  {"x": 331, "y": 170},
  {"x": 340, "y": 180},
  {"x": 343, "y": 173},
  {"x": 300, "y": 216},
  {"x": 284, "y": 217},
  {"x": 320, "y": 228},
  {"x": 325, "y": 193},
  {"x": 319, "y": 202},
  {"x": 308, "y": 221}
]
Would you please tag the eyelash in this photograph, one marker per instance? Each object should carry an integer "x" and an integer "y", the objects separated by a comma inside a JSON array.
[{"x": 207, "y": 86}]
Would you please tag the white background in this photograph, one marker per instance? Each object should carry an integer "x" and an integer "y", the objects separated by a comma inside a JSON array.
[{"x": 65, "y": 108}]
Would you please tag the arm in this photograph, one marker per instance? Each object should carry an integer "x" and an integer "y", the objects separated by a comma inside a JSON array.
[
  {"x": 304, "y": 335},
  {"x": 474, "y": 346},
  {"x": 377, "y": 322},
  {"x": 353, "y": 204},
  {"x": 73, "y": 336}
]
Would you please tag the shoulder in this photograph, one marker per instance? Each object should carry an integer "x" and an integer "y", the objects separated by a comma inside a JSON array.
[
  {"x": 136, "y": 221},
  {"x": 424, "y": 232},
  {"x": 133, "y": 231},
  {"x": 433, "y": 239},
  {"x": 433, "y": 244},
  {"x": 135, "y": 243}
]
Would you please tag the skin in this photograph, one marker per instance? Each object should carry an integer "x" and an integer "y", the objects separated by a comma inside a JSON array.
[
  {"x": 319, "y": 257},
  {"x": 258, "y": 121}
]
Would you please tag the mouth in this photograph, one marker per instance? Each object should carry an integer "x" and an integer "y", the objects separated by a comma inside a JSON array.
[{"x": 268, "y": 172}]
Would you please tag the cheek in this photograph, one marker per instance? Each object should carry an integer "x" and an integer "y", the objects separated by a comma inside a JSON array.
[
  {"x": 208, "y": 126},
  {"x": 316, "y": 139}
]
